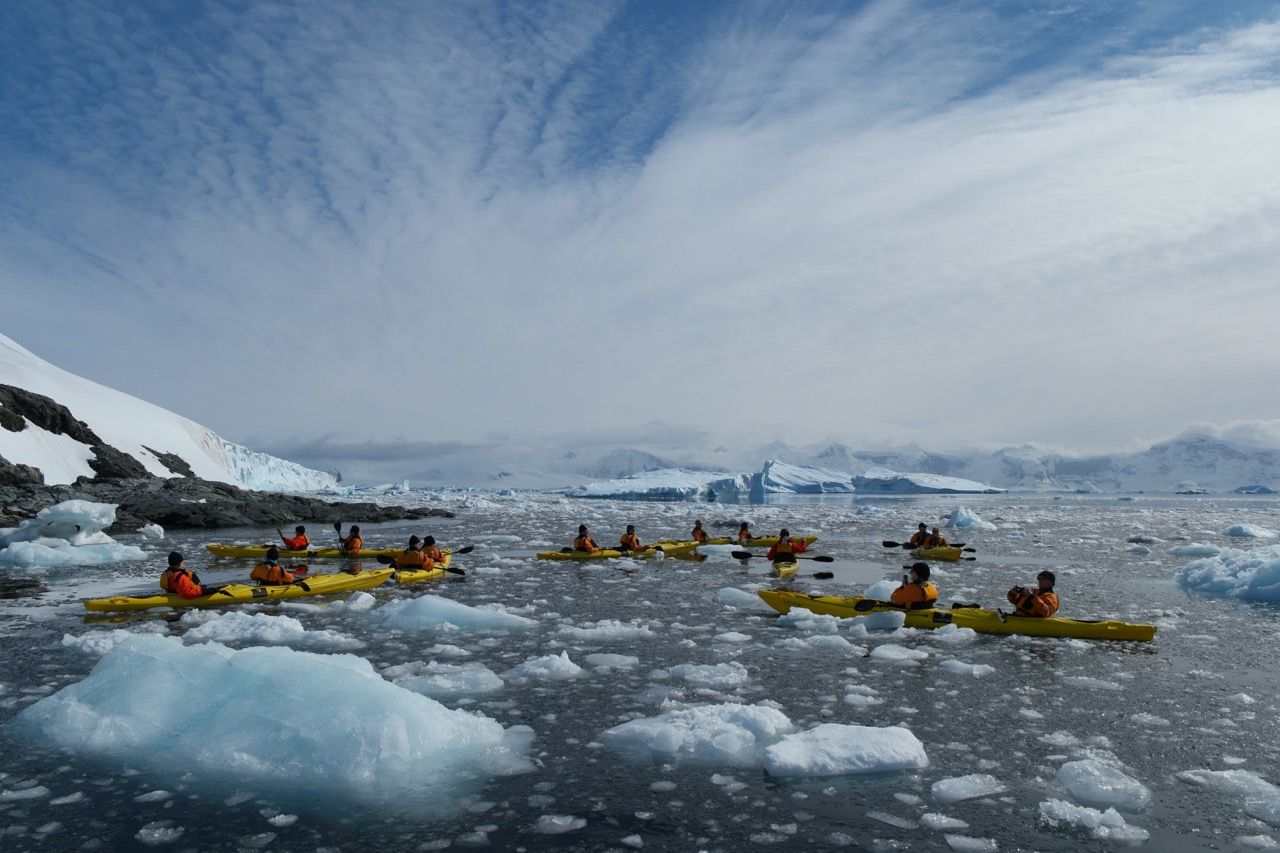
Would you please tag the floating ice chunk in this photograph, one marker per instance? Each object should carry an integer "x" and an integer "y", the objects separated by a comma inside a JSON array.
[
  {"x": 1108, "y": 825},
  {"x": 809, "y": 622},
  {"x": 36, "y": 792},
  {"x": 1060, "y": 739},
  {"x": 899, "y": 655},
  {"x": 361, "y": 601},
  {"x": 379, "y": 745},
  {"x": 1257, "y": 842},
  {"x": 1261, "y": 798},
  {"x": 159, "y": 832},
  {"x": 880, "y": 590},
  {"x": 608, "y": 630},
  {"x": 546, "y": 668},
  {"x": 1246, "y": 575},
  {"x": 151, "y": 532},
  {"x": 77, "y": 522},
  {"x": 1088, "y": 683},
  {"x": 1196, "y": 549},
  {"x": 939, "y": 823},
  {"x": 558, "y": 824},
  {"x": 496, "y": 539},
  {"x": 433, "y": 613},
  {"x": 731, "y": 637},
  {"x": 977, "y": 670},
  {"x": 1139, "y": 550},
  {"x": 822, "y": 643},
  {"x": 716, "y": 734},
  {"x": 953, "y": 635},
  {"x": 862, "y": 697},
  {"x": 47, "y": 553},
  {"x": 1249, "y": 531},
  {"x": 1098, "y": 783},
  {"x": 718, "y": 675},
  {"x": 1142, "y": 718},
  {"x": 100, "y": 642},
  {"x": 969, "y": 844},
  {"x": 833, "y": 749},
  {"x": 603, "y": 661},
  {"x": 958, "y": 788},
  {"x": 889, "y": 620},
  {"x": 741, "y": 600},
  {"x": 444, "y": 680},
  {"x": 236, "y": 626},
  {"x": 965, "y": 518}
]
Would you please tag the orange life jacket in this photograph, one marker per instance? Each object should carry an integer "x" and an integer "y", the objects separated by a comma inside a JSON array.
[
  {"x": 1033, "y": 602},
  {"x": 915, "y": 596},
  {"x": 180, "y": 582},
  {"x": 698, "y": 535},
  {"x": 271, "y": 574},
  {"x": 918, "y": 539},
  {"x": 434, "y": 554},
  {"x": 783, "y": 549},
  {"x": 584, "y": 543},
  {"x": 411, "y": 560},
  {"x": 744, "y": 535},
  {"x": 935, "y": 541},
  {"x": 630, "y": 542},
  {"x": 297, "y": 543}
]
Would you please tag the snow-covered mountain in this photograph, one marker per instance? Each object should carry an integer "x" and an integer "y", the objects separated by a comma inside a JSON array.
[{"x": 56, "y": 426}]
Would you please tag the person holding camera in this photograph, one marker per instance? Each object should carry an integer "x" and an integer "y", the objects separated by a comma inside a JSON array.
[
  {"x": 917, "y": 592},
  {"x": 1040, "y": 603}
]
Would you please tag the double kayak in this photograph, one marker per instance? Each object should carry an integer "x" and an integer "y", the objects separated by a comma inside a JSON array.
[
  {"x": 770, "y": 541},
  {"x": 405, "y": 576},
  {"x": 605, "y": 554},
  {"x": 673, "y": 547},
  {"x": 785, "y": 569},
  {"x": 980, "y": 619},
  {"x": 260, "y": 551},
  {"x": 243, "y": 593},
  {"x": 945, "y": 553}
]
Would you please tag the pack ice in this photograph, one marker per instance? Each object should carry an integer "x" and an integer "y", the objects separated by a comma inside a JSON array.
[{"x": 67, "y": 534}]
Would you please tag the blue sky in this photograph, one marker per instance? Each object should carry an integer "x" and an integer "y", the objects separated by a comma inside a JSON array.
[{"x": 1057, "y": 221}]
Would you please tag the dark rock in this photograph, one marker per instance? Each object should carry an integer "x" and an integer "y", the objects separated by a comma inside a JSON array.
[
  {"x": 12, "y": 474},
  {"x": 173, "y": 462}
]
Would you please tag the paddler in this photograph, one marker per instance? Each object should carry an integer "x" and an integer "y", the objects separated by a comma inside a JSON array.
[
  {"x": 583, "y": 541},
  {"x": 269, "y": 572},
  {"x": 298, "y": 541},
  {"x": 180, "y": 580},
  {"x": 352, "y": 543},
  {"x": 629, "y": 540},
  {"x": 744, "y": 532},
  {"x": 415, "y": 557},
  {"x": 784, "y": 550},
  {"x": 698, "y": 535},
  {"x": 431, "y": 550},
  {"x": 935, "y": 540},
  {"x": 920, "y": 537},
  {"x": 1041, "y": 602},
  {"x": 917, "y": 592}
]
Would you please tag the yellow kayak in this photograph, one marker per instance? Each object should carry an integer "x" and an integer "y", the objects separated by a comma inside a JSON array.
[
  {"x": 243, "y": 593},
  {"x": 260, "y": 551},
  {"x": 978, "y": 618},
  {"x": 785, "y": 569},
  {"x": 672, "y": 547},
  {"x": 946, "y": 553},
  {"x": 770, "y": 541},
  {"x": 404, "y": 576},
  {"x": 606, "y": 554}
]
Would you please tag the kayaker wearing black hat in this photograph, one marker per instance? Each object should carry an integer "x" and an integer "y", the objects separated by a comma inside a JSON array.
[
  {"x": 785, "y": 549},
  {"x": 583, "y": 541},
  {"x": 1041, "y": 602},
  {"x": 298, "y": 541},
  {"x": 413, "y": 557},
  {"x": 919, "y": 537},
  {"x": 698, "y": 534},
  {"x": 270, "y": 572},
  {"x": 744, "y": 532},
  {"x": 180, "y": 580},
  {"x": 629, "y": 540},
  {"x": 917, "y": 592}
]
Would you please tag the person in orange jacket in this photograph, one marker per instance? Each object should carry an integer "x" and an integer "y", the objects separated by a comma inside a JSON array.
[
  {"x": 1041, "y": 602},
  {"x": 935, "y": 540},
  {"x": 921, "y": 536},
  {"x": 744, "y": 532},
  {"x": 432, "y": 550},
  {"x": 270, "y": 572},
  {"x": 583, "y": 541},
  {"x": 415, "y": 557},
  {"x": 352, "y": 543},
  {"x": 629, "y": 540},
  {"x": 698, "y": 534},
  {"x": 917, "y": 592},
  {"x": 298, "y": 541},
  {"x": 784, "y": 550},
  {"x": 180, "y": 580}
]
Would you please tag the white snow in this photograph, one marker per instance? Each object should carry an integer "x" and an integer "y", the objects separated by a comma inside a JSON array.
[
  {"x": 957, "y": 788},
  {"x": 1249, "y": 531},
  {"x": 131, "y": 426},
  {"x": 236, "y": 626},
  {"x": 964, "y": 518},
  {"x": 379, "y": 743},
  {"x": 1247, "y": 575},
  {"x": 546, "y": 668},
  {"x": 878, "y": 480},
  {"x": 710, "y": 734},
  {"x": 433, "y": 613},
  {"x": 833, "y": 749},
  {"x": 444, "y": 680},
  {"x": 1102, "y": 784},
  {"x": 1109, "y": 825}
]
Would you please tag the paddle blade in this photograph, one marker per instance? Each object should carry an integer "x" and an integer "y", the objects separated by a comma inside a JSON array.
[
  {"x": 454, "y": 571},
  {"x": 386, "y": 559},
  {"x": 970, "y": 559},
  {"x": 741, "y": 555},
  {"x": 888, "y": 543},
  {"x": 337, "y": 525},
  {"x": 467, "y": 550},
  {"x": 823, "y": 576},
  {"x": 822, "y": 558},
  {"x": 970, "y": 550}
]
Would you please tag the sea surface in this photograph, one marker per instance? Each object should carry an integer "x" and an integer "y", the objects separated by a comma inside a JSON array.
[{"x": 1203, "y": 695}]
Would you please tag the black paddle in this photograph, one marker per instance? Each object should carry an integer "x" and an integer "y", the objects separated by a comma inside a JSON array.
[
  {"x": 747, "y": 555},
  {"x": 388, "y": 560},
  {"x": 960, "y": 545}
]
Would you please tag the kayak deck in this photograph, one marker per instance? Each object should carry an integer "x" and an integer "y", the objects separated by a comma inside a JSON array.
[
  {"x": 605, "y": 554},
  {"x": 980, "y": 619},
  {"x": 407, "y": 576},
  {"x": 770, "y": 541},
  {"x": 243, "y": 593},
  {"x": 945, "y": 553}
]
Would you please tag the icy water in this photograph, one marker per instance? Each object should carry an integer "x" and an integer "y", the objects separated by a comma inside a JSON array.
[{"x": 1202, "y": 696}]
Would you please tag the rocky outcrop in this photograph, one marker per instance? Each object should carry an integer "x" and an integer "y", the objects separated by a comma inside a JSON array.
[
  {"x": 175, "y": 463},
  {"x": 190, "y": 503},
  {"x": 17, "y": 406}
]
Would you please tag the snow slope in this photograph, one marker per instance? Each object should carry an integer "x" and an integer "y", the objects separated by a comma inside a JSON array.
[{"x": 134, "y": 427}]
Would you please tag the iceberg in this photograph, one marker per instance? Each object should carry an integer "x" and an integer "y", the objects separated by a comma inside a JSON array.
[
  {"x": 663, "y": 484},
  {"x": 1232, "y": 573},
  {"x": 884, "y": 481},
  {"x": 70, "y": 533}
]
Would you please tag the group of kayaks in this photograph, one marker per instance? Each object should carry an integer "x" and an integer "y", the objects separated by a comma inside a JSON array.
[
  {"x": 783, "y": 600},
  {"x": 244, "y": 593}
]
